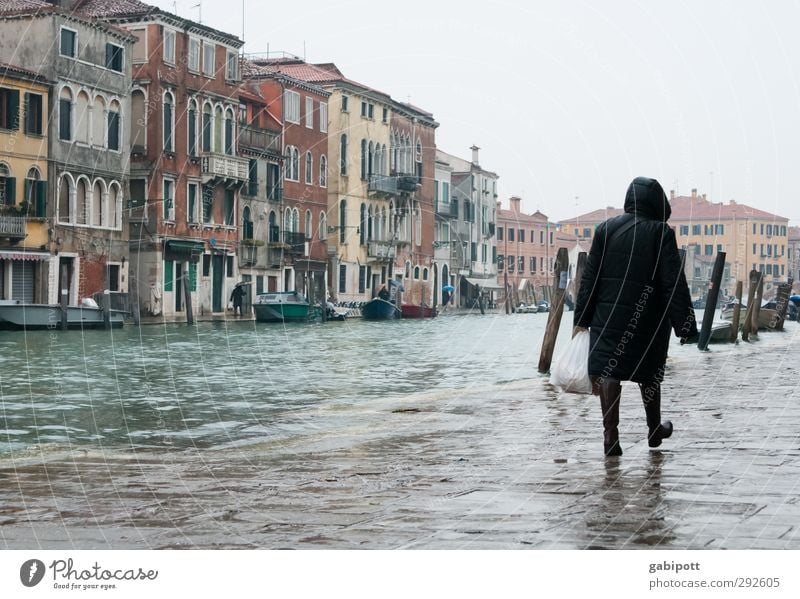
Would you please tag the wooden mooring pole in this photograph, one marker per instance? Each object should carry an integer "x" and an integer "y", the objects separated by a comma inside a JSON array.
[
  {"x": 782, "y": 304},
  {"x": 751, "y": 296},
  {"x": 711, "y": 301},
  {"x": 64, "y": 299},
  {"x": 737, "y": 310},
  {"x": 187, "y": 293},
  {"x": 757, "y": 307},
  {"x": 556, "y": 310}
]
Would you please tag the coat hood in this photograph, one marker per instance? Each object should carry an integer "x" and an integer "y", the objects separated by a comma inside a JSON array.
[{"x": 646, "y": 198}]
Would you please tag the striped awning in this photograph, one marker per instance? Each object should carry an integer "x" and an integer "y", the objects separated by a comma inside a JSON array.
[{"x": 29, "y": 256}]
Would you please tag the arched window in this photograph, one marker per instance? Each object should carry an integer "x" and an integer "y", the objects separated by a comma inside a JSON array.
[
  {"x": 81, "y": 202},
  {"x": 362, "y": 222},
  {"x": 363, "y": 158},
  {"x": 323, "y": 171},
  {"x": 114, "y": 126},
  {"x": 292, "y": 164},
  {"x": 342, "y": 220},
  {"x": 207, "y": 128},
  {"x": 247, "y": 224},
  {"x": 65, "y": 125},
  {"x": 408, "y": 269},
  {"x": 417, "y": 223},
  {"x": 64, "y": 199},
  {"x": 169, "y": 122},
  {"x": 191, "y": 128},
  {"x": 287, "y": 219},
  {"x": 295, "y": 220},
  {"x": 323, "y": 226},
  {"x": 343, "y": 154},
  {"x": 416, "y": 273},
  {"x": 114, "y": 206},
  {"x": 219, "y": 141},
  {"x": 99, "y": 122},
  {"x": 7, "y": 186},
  {"x": 97, "y": 204},
  {"x": 31, "y": 181},
  {"x": 371, "y": 159},
  {"x": 309, "y": 225},
  {"x": 370, "y": 216},
  {"x": 424, "y": 274},
  {"x": 382, "y": 169},
  {"x": 309, "y": 169},
  {"x": 393, "y": 152},
  {"x": 82, "y": 118},
  {"x": 229, "y": 145},
  {"x": 274, "y": 229},
  {"x": 391, "y": 216}
]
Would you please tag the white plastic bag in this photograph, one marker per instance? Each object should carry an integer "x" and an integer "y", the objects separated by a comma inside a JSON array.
[{"x": 571, "y": 370}]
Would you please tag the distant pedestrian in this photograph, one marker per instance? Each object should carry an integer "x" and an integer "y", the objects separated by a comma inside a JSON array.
[
  {"x": 383, "y": 293},
  {"x": 236, "y": 297},
  {"x": 632, "y": 293}
]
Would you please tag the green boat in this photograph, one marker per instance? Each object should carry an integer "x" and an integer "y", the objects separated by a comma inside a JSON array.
[{"x": 286, "y": 306}]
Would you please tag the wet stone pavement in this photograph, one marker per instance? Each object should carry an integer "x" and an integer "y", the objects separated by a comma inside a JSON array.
[{"x": 501, "y": 467}]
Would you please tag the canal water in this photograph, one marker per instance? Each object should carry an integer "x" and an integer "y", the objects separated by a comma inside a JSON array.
[{"x": 231, "y": 383}]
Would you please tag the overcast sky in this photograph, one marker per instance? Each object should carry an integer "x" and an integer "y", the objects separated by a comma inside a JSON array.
[{"x": 571, "y": 100}]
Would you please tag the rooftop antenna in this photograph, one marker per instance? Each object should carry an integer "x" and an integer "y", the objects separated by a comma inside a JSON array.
[
  {"x": 242, "y": 27},
  {"x": 199, "y": 7}
]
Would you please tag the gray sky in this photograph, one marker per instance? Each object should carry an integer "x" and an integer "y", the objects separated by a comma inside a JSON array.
[{"x": 572, "y": 99}]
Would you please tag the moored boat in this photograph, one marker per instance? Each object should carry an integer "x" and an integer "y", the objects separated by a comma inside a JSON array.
[
  {"x": 766, "y": 316},
  {"x": 412, "y": 311},
  {"x": 286, "y": 306},
  {"x": 16, "y": 315},
  {"x": 379, "y": 309}
]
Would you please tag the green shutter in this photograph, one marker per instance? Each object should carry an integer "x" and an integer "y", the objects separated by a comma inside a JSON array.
[
  {"x": 26, "y": 112},
  {"x": 13, "y": 109},
  {"x": 11, "y": 191},
  {"x": 41, "y": 199},
  {"x": 192, "y": 276},
  {"x": 26, "y": 192},
  {"x": 167, "y": 275}
]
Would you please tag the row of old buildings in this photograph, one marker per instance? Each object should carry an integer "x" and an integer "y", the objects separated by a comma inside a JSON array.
[{"x": 143, "y": 154}]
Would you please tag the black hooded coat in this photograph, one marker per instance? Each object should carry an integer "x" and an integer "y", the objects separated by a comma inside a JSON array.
[{"x": 634, "y": 290}]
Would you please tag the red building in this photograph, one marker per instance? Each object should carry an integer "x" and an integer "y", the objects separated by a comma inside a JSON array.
[{"x": 185, "y": 172}]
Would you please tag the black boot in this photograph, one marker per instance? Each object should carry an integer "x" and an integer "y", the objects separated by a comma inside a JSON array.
[
  {"x": 657, "y": 430},
  {"x": 610, "y": 390}
]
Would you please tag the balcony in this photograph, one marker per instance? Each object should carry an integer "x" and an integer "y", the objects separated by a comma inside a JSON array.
[
  {"x": 12, "y": 227},
  {"x": 295, "y": 242},
  {"x": 407, "y": 183},
  {"x": 382, "y": 184},
  {"x": 224, "y": 167},
  {"x": 260, "y": 140},
  {"x": 381, "y": 250}
]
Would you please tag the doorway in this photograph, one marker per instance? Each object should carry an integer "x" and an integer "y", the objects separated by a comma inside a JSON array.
[{"x": 217, "y": 274}]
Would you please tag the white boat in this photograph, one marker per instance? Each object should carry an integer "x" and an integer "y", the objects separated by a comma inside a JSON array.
[
  {"x": 527, "y": 309},
  {"x": 16, "y": 315}
]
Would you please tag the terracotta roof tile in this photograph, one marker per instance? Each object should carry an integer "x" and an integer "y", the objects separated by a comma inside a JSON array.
[
  {"x": 115, "y": 8},
  {"x": 9, "y": 6}
]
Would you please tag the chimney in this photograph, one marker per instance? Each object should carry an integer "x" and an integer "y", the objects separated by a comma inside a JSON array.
[
  {"x": 671, "y": 194},
  {"x": 733, "y": 202},
  {"x": 704, "y": 197},
  {"x": 514, "y": 202},
  {"x": 475, "y": 149},
  {"x": 694, "y": 193}
]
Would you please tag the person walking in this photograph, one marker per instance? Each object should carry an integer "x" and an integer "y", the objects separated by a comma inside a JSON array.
[{"x": 633, "y": 291}]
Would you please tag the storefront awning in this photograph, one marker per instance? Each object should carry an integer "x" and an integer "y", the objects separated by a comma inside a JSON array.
[
  {"x": 30, "y": 256},
  {"x": 487, "y": 283},
  {"x": 185, "y": 246}
]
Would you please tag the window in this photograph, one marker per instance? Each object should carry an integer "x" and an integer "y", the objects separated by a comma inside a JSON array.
[
  {"x": 7, "y": 187},
  {"x": 230, "y": 207},
  {"x": 371, "y": 111},
  {"x": 684, "y": 229},
  {"x": 192, "y": 215},
  {"x": 169, "y": 200},
  {"x": 500, "y": 233},
  {"x": 229, "y": 266},
  {"x": 696, "y": 229},
  {"x": 500, "y": 263},
  {"x": 719, "y": 229},
  {"x": 169, "y": 46},
  {"x": 208, "y": 203},
  {"x": 231, "y": 66},
  {"x": 65, "y": 115},
  {"x": 363, "y": 158},
  {"x": 252, "y": 177},
  {"x": 113, "y": 130},
  {"x": 69, "y": 43},
  {"x": 533, "y": 264},
  {"x": 291, "y": 110},
  {"x": 522, "y": 264},
  {"x": 511, "y": 234},
  {"x": 114, "y": 57},
  {"x": 709, "y": 249},
  {"x": 229, "y": 132},
  {"x": 191, "y": 128},
  {"x": 323, "y": 226},
  {"x": 323, "y": 117},
  {"x": 169, "y": 122},
  {"x": 308, "y": 225},
  {"x": 309, "y": 169},
  {"x": 247, "y": 223},
  {"x": 9, "y": 109},
  {"x": 344, "y": 103},
  {"x": 343, "y": 154},
  {"x": 194, "y": 54},
  {"x": 342, "y": 220},
  {"x": 323, "y": 171},
  {"x": 363, "y": 108},
  {"x": 207, "y": 128},
  {"x": 511, "y": 263},
  {"x": 309, "y": 112},
  {"x": 292, "y": 164},
  {"x": 33, "y": 114},
  {"x": 719, "y": 247},
  {"x": 521, "y": 237},
  {"x": 209, "y": 54},
  {"x": 385, "y": 117},
  {"x": 474, "y": 252}
]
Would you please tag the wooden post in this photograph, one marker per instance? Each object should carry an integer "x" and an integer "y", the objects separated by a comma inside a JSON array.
[
  {"x": 711, "y": 301},
  {"x": 757, "y": 307},
  {"x": 782, "y": 305},
  {"x": 107, "y": 303},
  {"x": 187, "y": 293},
  {"x": 64, "y": 299},
  {"x": 579, "y": 268},
  {"x": 556, "y": 310},
  {"x": 737, "y": 310},
  {"x": 751, "y": 296}
]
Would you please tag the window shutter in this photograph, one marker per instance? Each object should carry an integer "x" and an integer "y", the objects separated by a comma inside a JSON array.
[
  {"x": 41, "y": 199},
  {"x": 13, "y": 109},
  {"x": 11, "y": 191},
  {"x": 26, "y": 191},
  {"x": 26, "y": 115},
  {"x": 192, "y": 276},
  {"x": 167, "y": 275},
  {"x": 109, "y": 56}
]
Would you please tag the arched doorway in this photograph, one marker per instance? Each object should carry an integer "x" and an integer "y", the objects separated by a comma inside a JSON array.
[
  {"x": 445, "y": 278},
  {"x": 435, "y": 284}
]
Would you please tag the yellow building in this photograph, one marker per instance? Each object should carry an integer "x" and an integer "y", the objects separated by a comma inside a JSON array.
[
  {"x": 750, "y": 237},
  {"x": 23, "y": 187}
]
